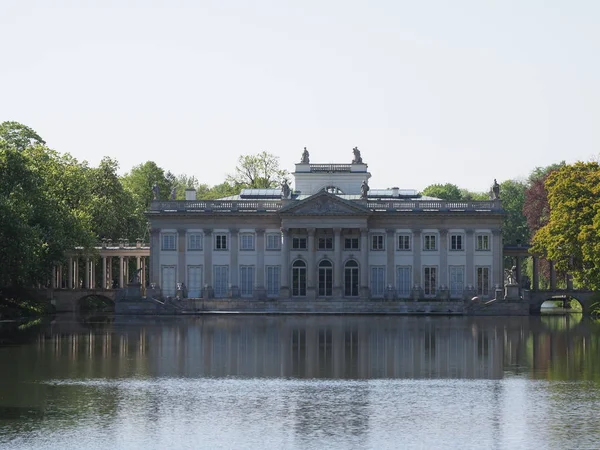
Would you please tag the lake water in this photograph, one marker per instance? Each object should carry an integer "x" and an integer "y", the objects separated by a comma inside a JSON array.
[{"x": 301, "y": 382}]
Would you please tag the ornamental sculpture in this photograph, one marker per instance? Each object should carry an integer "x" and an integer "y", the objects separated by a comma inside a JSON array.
[
  {"x": 305, "y": 157},
  {"x": 357, "y": 158},
  {"x": 364, "y": 189}
]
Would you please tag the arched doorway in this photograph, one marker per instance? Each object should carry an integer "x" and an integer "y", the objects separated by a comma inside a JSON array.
[
  {"x": 351, "y": 279},
  {"x": 325, "y": 278},
  {"x": 299, "y": 278}
]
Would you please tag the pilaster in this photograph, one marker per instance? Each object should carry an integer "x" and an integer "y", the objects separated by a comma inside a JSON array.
[
  {"x": 364, "y": 264},
  {"x": 284, "y": 289},
  {"x": 260, "y": 292},
  {"x": 390, "y": 290},
  {"x": 207, "y": 290},
  {"x": 234, "y": 271},
  {"x": 154, "y": 256},
  {"x": 337, "y": 263},
  {"x": 311, "y": 287},
  {"x": 498, "y": 258},
  {"x": 181, "y": 246},
  {"x": 443, "y": 281}
]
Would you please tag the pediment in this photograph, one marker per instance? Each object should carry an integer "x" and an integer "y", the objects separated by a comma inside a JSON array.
[{"x": 325, "y": 204}]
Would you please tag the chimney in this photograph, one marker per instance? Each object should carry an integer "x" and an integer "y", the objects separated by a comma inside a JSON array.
[
  {"x": 395, "y": 192},
  {"x": 190, "y": 194}
]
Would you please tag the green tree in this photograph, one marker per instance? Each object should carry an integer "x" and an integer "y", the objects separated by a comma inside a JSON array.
[
  {"x": 257, "y": 171},
  {"x": 448, "y": 191},
  {"x": 514, "y": 227},
  {"x": 571, "y": 237},
  {"x": 19, "y": 136}
]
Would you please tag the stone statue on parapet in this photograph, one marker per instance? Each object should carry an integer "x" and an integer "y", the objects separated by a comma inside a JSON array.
[
  {"x": 511, "y": 275},
  {"x": 305, "y": 157},
  {"x": 357, "y": 158},
  {"x": 495, "y": 194},
  {"x": 173, "y": 193},
  {"x": 364, "y": 189},
  {"x": 156, "y": 192},
  {"x": 285, "y": 189}
]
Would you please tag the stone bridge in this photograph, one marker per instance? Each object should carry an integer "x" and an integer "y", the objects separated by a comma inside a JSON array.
[
  {"x": 69, "y": 300},
  {"x": 536, "y": 298}
]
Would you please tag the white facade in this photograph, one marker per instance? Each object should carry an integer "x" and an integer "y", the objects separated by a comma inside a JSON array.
[{"x": 330, "y": 238}]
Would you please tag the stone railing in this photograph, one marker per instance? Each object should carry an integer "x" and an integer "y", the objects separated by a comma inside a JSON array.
[
  {"x": 275, "y": 205},
  {"x": 330, "y": 167},
  {"x": 215, "y": 206},
  {"x": 433, "y": 205}
]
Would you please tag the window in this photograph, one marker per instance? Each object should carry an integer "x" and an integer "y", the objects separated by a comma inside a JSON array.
[
  {"x": 195, "y": 241},
  {"x": 351, "y": 243},
  {"x": 430, "y": 277},
  {"x": 483, "y": 242},
  {"x": 194, "y": 281},
  {"x": 404, "y": 242},
  {"x": 325, "y": 278},
  {"x": 430, "y": 242},
  {"x": 377, "y": 242},
  {"x": 456, "y": 242},
  {"x": 273, "y": 280},
  {"x": 299, "y": 243},
  {"x": 351, "y": 279},
  {"x": 273, "y": 241},
  {"x": 457, "y": 280},
  {"x": 221, "y": 241},
  {"x": 168, "y": 241},
  {"x": 246, "y": 281},
  {"x": 299, "y": 278},
  {"x": 403, "y": 281},
  {"x": 221, "y": 280},
  {"x": 377, "y": 281},
  {"x": 247, "y": 241},
  {"x": 483, "y": 281},
  {"x": 325, "y": 243}
]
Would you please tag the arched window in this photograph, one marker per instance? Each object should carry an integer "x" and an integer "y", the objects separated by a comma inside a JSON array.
[
  {"x": 299, "y": 278},
  {"x": 351, "y": 279},
  {"x": 325, "y": 278}
]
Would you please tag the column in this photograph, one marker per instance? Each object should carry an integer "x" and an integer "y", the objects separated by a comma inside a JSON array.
[
  {"x": 443, "y": 281},
  {"x": 416, "y": 269},
  {"x": 121, "y": 285},
  {"x": 311, "y": 286},
  {"x": 337, "y": 263},
  {"x": 552, "y": 276},
  {"x": 390, "y": 247},
  {"x": 76, "y": 268},
  {"x": 181, "y": 244},
  {"x": 92, "y": 273},
  {"x": 536, "y": 276},
  {"x": 70, "y": 282},
  {"x": 54, "y": 276},
  {"x": 284, "y": 289},
  {"x": 104, "y": 273},
  {"x": 207, "y": 291},
  {"x": 498, "y": 256},
  {"x": 109, "y": 271},
  {"x": 87, "y": 273},
  {"x": 154, "y": 256},
  {"x": 259, "y": 290},
  {"x": 234, "y": 270},
  {"x": 364, "y": 264},
  {"x": 470, "y": 268},
  {"x": 518, "y": 265}
]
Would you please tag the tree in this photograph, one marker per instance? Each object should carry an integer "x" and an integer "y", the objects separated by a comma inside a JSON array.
[
  {"x": 447, "y": 191},
  {"x": 571, "y": 236},
  {"x": 139, "y": 183},
  {"x": 514, "y": 227},
  {"x": 257, "y": 171},
  {"x": 19, "y": 136}
]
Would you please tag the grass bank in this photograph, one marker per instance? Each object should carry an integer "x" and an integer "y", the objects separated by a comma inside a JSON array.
[{"x": 23, "y": 304}]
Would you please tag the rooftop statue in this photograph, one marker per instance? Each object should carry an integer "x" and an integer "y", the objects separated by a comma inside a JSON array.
[
  {"x": 495, "y": 190},
  {"x": 364, "y": 189},
  {"x": 305, "y": 157},
  {"x": 156, "y": 192},
  {"x": 173, "y": 193},
  {"x": 285, "y": 189},
  {"x": 357, "y": 158}
]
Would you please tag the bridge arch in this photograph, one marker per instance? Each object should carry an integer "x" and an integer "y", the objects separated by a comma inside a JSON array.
[{"x": 94, "y": 302}]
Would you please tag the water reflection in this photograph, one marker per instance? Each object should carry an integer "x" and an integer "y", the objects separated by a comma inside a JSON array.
[{"x": 553, "y": 347}]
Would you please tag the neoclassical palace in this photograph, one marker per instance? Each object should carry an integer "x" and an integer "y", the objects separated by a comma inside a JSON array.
[{"x": 331, "y": 237}]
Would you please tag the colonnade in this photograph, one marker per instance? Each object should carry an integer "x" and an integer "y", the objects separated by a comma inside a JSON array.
[
  {"x": 535, "y": 282},
  {"x": 81, "y": 272}
]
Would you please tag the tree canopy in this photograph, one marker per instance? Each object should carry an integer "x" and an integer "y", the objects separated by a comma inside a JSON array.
[{"x": 258, "y": 171}]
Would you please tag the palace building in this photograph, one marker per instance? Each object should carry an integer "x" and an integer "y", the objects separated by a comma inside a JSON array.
[{"x": 331, "y": 237}]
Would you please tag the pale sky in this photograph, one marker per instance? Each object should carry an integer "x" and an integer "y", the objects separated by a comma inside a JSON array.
[{"x": 436, "y": 91}]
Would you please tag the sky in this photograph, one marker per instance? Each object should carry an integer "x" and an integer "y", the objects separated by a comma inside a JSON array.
[{"x": 431, "y": 91}]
